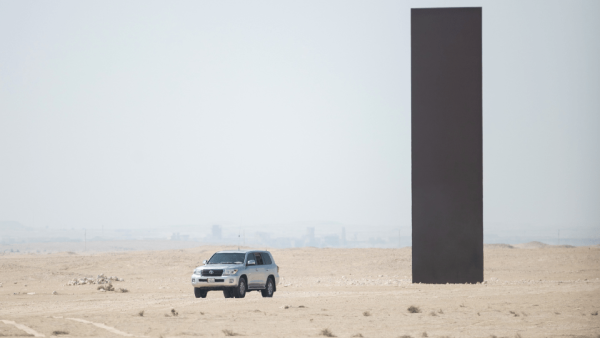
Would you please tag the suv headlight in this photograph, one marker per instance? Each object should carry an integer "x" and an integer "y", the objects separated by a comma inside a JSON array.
[
  {"x": 229, "y": 272},
  {"x": 198, "y": 272}
]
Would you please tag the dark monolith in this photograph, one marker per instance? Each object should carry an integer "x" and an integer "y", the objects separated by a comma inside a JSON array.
[{"x": 447, "y": 168}]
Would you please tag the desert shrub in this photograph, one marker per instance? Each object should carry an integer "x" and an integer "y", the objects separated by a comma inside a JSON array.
[
  {"x": 595, "y": 313},
  {"x": 358, "y": 335},
  {"x": 327, "y": 333},
  {"x": 424, "y": 335},
  {"x": 414, "y": 309},
  {"x": 59, "y": 332},
  {"x": 230, "y": 333},
  {"x": 441, "y": 312},
  {"x": 405, "y": 336},
  {"x": 141, "y": 313},
  {"x": 174, "y": 313},
  {"x": 366, "y": 313},
  {"x": 432, "y": 313}
]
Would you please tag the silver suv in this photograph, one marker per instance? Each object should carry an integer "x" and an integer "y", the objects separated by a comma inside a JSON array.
[{"x": 237, "y": 272}]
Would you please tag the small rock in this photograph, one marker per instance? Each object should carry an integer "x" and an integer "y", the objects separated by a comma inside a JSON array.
[{"x": 54, "y": 293}]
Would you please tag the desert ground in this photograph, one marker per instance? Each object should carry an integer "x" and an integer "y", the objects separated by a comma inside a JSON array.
[{"x": 529, "y": 291}]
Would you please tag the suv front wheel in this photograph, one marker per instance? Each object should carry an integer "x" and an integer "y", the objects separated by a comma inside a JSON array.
[
  {"x": 240, "y": 290},
  {"x": 199, "y": 293},
  {"x": 269, "y": 289}
]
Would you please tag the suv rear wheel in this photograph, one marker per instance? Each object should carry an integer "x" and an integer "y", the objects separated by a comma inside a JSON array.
[
  {"x": 240, "y": 290},
  {"x": 269, "y": 288}
]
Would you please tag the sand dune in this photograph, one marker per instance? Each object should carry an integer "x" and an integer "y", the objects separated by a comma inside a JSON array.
[{"x": 546, "y": 292}]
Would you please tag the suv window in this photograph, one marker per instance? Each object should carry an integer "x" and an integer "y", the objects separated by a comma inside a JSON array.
[
  {"x": 226, "y": 258},
  {"x": 258, "y": 258},
  {"x": 266, "y": 258}
]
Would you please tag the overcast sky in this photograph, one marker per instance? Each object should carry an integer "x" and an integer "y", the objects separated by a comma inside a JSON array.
[{"x": 134, "y": 114}]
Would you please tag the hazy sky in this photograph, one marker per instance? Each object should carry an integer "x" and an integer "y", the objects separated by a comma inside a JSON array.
[{"x": 138, "y": 113}]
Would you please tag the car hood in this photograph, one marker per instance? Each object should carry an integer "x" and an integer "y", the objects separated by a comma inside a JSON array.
[{"x": 220, "y": 266}]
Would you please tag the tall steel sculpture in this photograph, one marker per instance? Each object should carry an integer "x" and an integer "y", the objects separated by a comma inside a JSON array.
[{"x": 447, "y": 168}]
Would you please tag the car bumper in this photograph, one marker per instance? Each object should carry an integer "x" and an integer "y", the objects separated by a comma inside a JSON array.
[{"x": 214, "y": 282}]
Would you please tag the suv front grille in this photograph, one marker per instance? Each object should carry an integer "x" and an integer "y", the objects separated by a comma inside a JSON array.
[{"x": 215, "y": 273}]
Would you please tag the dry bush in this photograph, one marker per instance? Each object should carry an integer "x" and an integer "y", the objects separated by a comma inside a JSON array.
[
  {"x": 514, "y": 313},
  {"x": 59, "y": 332},
  {"x": 107, "y": 287},
  {"x": 327, "y": 333},
  {"x": 358, "y": 335},
  {"x": 432, "y": 313},
  {"x": 441, "y": 312},
  {"x": 414, "y": 309},
  {"x": 405, "y": 336},
  {"x": 424, "y": 334},
  {"x": 122, "y": 290},
  {"x": 141, "y": 313},
  {"x": 174, "y": 313},
  {"x": 230, "y": 333},
  {"x": 302, "y": 306},
  {"x": 366, "y": 313},
  {"x": 595, "y": 313}
]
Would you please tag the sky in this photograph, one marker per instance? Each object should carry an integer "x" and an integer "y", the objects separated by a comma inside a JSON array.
[{"x": 150, "y": 114}]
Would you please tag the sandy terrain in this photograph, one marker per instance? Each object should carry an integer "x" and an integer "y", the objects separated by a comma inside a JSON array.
[{"x": 530, "y": 291}]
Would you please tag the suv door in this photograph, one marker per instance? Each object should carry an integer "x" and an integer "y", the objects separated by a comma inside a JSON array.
[
  {"x": 250, "y": 271},
  {"x": 268, "y": 266},
  {"x": 258, "y": 279}
]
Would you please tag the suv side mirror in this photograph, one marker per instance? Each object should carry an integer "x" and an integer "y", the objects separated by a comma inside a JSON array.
[
  {"x": 251, "y": 262},
  {"x": 204, "y": 262}
]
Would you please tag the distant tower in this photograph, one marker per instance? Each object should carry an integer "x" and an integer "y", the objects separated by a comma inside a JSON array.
[
  {"x": 310, "y": 236},
  {"x": 217, "y": 232}
]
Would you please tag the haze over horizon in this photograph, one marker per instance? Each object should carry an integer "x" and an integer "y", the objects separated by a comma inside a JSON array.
[{"x": 266, "y": 116}]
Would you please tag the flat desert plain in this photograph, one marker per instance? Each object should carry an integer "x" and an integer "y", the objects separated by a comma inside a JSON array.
[{"x": 545, "y": 291}]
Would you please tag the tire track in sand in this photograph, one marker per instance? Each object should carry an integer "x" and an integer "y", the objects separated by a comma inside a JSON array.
[
  {"x": 24, "y": 328},
  {"x": 102, "y": 326}
]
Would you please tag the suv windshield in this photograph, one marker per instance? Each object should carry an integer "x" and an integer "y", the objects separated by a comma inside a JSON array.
[{"x": 227, "y": 258}]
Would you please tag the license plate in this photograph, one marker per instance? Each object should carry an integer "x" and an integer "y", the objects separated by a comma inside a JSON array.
[{"x": 211, "y": 280}]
